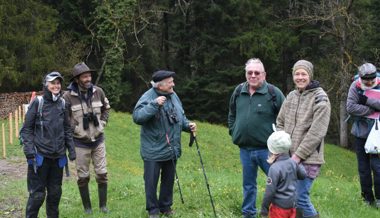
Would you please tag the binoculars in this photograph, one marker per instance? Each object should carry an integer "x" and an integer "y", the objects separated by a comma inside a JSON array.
[
  {"x": 172, "y": 116},
  {"x": 89, "y": 117}
]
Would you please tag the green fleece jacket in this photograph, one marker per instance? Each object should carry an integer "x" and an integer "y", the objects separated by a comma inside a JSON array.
[{"x": 250, "y": 119}]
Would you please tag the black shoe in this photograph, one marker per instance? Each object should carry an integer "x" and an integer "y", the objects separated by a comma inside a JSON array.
[
  {"x": 168, "y": 213},
  {"x": 154, "y": 216}
]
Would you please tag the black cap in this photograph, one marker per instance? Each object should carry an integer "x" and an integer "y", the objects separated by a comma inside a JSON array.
[{"x": 162, "y": 74}]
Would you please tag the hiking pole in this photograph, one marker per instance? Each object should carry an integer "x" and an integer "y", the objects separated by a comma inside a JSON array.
[
  {"x": 174, "y": 156},
  {"x": 192, "y": 139},
  {"x": 177, "y": 181},
  {"x": 67, "y": 170},
  {"x": 175, "y": 170}
]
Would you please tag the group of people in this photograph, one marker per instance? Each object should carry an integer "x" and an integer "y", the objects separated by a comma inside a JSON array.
[
  {"x": 293, "y": 131},
  {"x": 56, "y": 122},
  {"x": 301, "y": 120},
  {"x": 284, "y": 136}
]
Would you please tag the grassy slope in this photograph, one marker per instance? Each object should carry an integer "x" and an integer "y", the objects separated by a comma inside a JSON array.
[{"x": 335, "y": 193}]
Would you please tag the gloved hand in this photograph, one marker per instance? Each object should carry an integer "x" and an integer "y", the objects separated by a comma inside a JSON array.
[
  {"x": 362, "y": 99},
  {"x": 72, "y": 156},
  {"x": 30, "y": 156}
]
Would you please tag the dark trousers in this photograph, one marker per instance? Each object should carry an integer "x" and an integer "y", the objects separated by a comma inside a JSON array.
[
  {"x": 369, "y": 171},
  {"x": 152, "y": 171},
  {"x": 48, "y": 179}
]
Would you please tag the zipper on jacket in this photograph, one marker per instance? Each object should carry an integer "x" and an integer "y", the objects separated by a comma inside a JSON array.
[
  {"x": 55, "y": 138},
  {"x": 295, "y": 116},
  {"x": 249, "y": 111}
]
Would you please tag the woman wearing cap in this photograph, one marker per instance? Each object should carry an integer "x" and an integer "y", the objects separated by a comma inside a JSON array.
[
  {"x": 305, "y": 115},
  {"x": 361, "y": 107},
  {"x": 46, "y": 135}
]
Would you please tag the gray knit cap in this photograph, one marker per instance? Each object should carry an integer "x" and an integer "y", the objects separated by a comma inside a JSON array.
[
  {"x": 367, "y": 71},
  {"x": 306, "y": 65}
]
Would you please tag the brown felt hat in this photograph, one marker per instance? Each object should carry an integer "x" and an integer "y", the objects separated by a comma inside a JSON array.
[{"x": 79, "y": 69}]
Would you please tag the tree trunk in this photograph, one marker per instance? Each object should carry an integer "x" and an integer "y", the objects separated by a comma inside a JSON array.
[{"x": 343, "y": 141}]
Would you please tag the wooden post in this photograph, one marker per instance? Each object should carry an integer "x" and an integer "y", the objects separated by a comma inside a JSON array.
[
  {"x": 3, "y": 137},
  {"x": 16, "y": 123},
  {"x": 10, "y": 129},
  {"x": 23, "y": 114},
  {"x": 19, "y": 114}
]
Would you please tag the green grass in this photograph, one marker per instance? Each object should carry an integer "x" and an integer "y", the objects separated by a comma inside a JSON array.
[{"x": 335, "y": 193}]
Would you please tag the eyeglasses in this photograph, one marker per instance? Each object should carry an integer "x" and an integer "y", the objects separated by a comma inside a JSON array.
[{"x": 257, "y": 73}]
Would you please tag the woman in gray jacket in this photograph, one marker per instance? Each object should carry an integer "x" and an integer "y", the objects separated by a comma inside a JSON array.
[
  {"x": 361, "y": 107},
  {"x": 305, "y": 115}
]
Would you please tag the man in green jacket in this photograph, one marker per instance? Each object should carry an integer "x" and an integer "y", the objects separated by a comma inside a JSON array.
[
  {"x": 161, "y": 116},
  {"x": 253, "y": 109}
]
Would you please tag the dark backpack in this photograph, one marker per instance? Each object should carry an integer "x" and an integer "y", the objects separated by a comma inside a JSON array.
[
  {"x": 271, "y": 91},
  {"x": 40, "y": 100}
]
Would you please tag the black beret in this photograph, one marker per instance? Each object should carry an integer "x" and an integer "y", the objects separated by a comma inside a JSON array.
[{"x": 162, "y": 74}]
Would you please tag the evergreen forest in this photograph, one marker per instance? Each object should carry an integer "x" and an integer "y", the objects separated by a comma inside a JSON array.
[{"x": 206, "y": 42}]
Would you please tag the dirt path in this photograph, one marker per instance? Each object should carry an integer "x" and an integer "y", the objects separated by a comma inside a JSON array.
[{"x": 15, "y": 168}]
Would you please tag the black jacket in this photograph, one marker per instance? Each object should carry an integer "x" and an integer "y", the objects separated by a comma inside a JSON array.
[{"x": 55, "y": 135}]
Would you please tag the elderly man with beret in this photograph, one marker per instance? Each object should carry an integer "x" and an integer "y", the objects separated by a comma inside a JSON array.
[
  {"x": 88, "y": 109},
  {"x": 161, "y": 116}
]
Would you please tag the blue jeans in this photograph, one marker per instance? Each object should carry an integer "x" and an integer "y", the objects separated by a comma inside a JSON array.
[
  {"x": 303, "y": 197},
  {"x": 251, "y": 160},
  {"x": 369, "y": 167}
]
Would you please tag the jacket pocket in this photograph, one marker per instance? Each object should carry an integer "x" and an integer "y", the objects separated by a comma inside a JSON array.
[
  {"x": 77, "y": 121},
  {"x": 97, "y": 110}
]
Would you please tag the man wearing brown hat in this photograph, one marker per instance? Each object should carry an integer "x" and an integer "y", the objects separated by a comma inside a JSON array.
[
  {"x": 161, "y": 116},
  {"x": 88, "y": 109}
]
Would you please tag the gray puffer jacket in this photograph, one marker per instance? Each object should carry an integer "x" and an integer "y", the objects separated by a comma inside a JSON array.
[{"x": 361, "y": 125}]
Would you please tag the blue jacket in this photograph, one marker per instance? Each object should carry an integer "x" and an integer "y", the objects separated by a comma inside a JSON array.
[{"x": 159, "y": 133}]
